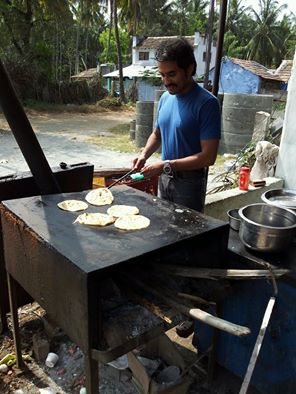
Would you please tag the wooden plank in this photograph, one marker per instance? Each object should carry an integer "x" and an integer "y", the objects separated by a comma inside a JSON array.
[{"x": 197, "y": 299}]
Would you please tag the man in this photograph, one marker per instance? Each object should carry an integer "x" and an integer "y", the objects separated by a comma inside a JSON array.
[{"x": 188, "y": 127}]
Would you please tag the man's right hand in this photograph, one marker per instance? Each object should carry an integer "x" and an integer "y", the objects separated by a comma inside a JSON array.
[{"x": 138, "y": 163}]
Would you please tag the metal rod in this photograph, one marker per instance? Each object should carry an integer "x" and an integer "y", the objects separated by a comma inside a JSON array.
[
  {"x": 258, "y": 345},
  {"x": 222, "y": 19},
  {"x": 14, "y": 317},
  {"x": 120, "y": 179},
  {"x": 209, "y": 44},
  {"x": 25, "y": 136}
]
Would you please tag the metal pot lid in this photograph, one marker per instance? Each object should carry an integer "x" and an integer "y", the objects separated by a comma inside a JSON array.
[{"x": 280, "y": 197}]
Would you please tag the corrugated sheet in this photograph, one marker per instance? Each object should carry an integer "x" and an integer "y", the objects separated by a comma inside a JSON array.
[
  {"x": 134, "y": 70},
  {"x": 90, "y": 73}
]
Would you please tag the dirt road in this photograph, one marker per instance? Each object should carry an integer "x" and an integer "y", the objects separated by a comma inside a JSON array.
[{"x": 63, "y": 137}]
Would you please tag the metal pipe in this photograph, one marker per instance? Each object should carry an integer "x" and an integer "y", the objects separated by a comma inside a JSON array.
[
  {"x": 222, "y": 19},
  {"x": 25, "y": 136},
  {"x": 209, "y": 44}
]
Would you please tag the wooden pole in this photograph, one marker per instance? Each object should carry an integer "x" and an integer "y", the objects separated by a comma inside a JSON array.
[{"x": 195, "y": 313}]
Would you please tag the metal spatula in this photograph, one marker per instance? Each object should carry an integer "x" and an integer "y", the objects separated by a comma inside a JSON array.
[{"x": 120, "y": 179}]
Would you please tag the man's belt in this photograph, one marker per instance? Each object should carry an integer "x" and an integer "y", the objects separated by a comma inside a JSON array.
[{"x": 189, "y": 174}]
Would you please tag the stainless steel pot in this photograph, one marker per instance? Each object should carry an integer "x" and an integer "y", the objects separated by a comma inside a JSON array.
[
  {"x": 282, "y": 198},
  {"x": 234, "y": 219},
  {"x": 266, "y": 228}
]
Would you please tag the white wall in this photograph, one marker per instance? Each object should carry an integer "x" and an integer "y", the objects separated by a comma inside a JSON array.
[
  {"x": 200, "y": 47},
  {"x": 150, "y": 62},
  {"x": 286, "y": 167},
  {"x": 199, "y": 50}
]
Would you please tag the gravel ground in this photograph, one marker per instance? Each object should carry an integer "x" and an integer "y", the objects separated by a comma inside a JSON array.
[
  {"x": 67, "y": 376},
  {"x": 63, "y": 138}
]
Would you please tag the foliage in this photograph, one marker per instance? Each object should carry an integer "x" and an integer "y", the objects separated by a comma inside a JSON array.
[
  {"x": 44, "y": 42},
  {"x": 125, "y": 46},
  {"x": 110, "y": 102},
  {"x": 152, "y": 77}
]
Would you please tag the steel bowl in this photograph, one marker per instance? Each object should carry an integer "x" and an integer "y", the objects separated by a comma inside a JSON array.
[
  {"x": 283, "y": 198},
  {"x": 266, "y": 228},
  {"x": 234, "y": 219}
]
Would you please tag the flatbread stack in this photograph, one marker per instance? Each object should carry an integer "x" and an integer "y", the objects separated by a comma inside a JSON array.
[
  {"x": 95, "y": 219},
  {"x": 72, "y": 205},
  {"x": 132, "y": 222},
  {"x": 99, "y": 197},
  {"x": 121, "y": 210}
]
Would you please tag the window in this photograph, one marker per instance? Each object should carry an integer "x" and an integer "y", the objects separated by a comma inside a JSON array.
[{"x": 143, "y": 55}]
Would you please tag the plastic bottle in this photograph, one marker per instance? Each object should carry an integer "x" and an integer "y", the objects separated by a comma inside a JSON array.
[{"x": 244, "y": 178}]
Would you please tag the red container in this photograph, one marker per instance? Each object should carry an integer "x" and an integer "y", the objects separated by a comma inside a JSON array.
[{"x": 244, "y": 178}]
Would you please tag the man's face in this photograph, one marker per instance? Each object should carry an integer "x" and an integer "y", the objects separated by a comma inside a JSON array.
[{"x": 176, "y": 79}]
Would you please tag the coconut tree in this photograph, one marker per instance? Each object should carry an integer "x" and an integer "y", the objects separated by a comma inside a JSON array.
[
  {"x": 118, "y": 46},
  {"x": 264, "y": 46}
]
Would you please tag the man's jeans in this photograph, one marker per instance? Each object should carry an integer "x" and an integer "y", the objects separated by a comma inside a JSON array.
[{"x": 186, "y": 188}]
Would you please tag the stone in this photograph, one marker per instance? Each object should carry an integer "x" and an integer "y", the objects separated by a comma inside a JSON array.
[
  {"x": 261, "y": 126},
  {"x": 40, "y": 347}
]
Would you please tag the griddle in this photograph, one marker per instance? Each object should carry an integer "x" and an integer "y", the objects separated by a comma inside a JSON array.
[{"x": 64, "y": 266}]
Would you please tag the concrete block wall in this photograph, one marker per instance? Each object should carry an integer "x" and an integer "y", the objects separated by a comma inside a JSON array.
[{"x": 218, "y": 204}]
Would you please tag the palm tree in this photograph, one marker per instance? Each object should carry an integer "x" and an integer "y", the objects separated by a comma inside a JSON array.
[
  {"x": 235, "y": 14},
  {"x": 118, "y": 46},
  {"x": 130, "y": 14},
  {"x": 266, "y": 42}
]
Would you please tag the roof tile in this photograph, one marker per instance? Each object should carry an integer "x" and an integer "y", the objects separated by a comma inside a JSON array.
[{"x": 281, "y": 74}]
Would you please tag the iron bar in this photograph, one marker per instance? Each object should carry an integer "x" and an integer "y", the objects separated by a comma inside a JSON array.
[
  {"x": 25, "y": 136},
  {"x": 222, "y": 20}
]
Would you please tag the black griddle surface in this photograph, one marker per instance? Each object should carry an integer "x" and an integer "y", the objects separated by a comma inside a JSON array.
[{"x": 96, "y": 248}]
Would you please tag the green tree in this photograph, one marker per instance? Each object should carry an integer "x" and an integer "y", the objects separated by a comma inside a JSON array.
[
  {"x": 125, "y": 47},
  {"x": 118, "y": 47},
  {"x": 21, "y": 17},
  {"x": 238, "y": 30},
  {"x": 264, "y": 46}
]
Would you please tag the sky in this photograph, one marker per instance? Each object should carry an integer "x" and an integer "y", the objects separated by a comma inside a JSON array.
[{"x": 290, "y": 3}]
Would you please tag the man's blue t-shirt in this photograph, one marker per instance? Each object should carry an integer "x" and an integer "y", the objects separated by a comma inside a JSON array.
[{"x": 186, "y": 119}]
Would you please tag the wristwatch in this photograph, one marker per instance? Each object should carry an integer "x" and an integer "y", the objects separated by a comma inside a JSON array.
[{"x": 167, "y": 168}]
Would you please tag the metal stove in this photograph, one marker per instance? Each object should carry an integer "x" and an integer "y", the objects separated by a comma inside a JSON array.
[{"x": 64, "y": 266}]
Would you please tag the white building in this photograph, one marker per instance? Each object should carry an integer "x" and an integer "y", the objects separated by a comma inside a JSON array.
[{"x": 143, "y": 59}]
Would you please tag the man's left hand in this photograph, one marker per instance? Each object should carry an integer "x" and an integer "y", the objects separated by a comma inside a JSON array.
[{"x": 153, "y": 169}]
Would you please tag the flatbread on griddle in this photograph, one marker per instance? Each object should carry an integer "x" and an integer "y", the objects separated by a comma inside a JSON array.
[
  {"x": 99, "y": 196},
  {"x": 95, "y": 219},
  {"x": 72, "y": 205},
  {"x": 121, "y": 210},
  {"x": 132, "y": 222}
]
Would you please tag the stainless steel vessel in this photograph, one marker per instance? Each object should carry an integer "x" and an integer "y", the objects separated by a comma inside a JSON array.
[
  {"x": 266, "y": 228},
  {"x": 234, "y": 219},
  {"x": 283, "y": 198}
]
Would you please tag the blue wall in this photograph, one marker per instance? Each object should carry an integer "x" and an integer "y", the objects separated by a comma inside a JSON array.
[
  {"x": 275, "y": 370},
  {"x": 235, "y": 79}
]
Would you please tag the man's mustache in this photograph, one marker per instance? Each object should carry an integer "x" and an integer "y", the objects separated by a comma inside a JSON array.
[{"x": 172, "y": 85}]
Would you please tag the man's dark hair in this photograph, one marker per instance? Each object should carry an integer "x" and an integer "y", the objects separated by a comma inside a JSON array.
[{"x": 178, "y": 50}]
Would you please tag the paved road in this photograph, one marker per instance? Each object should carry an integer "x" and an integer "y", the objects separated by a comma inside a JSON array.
[{"x": 63, "y": 138}]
